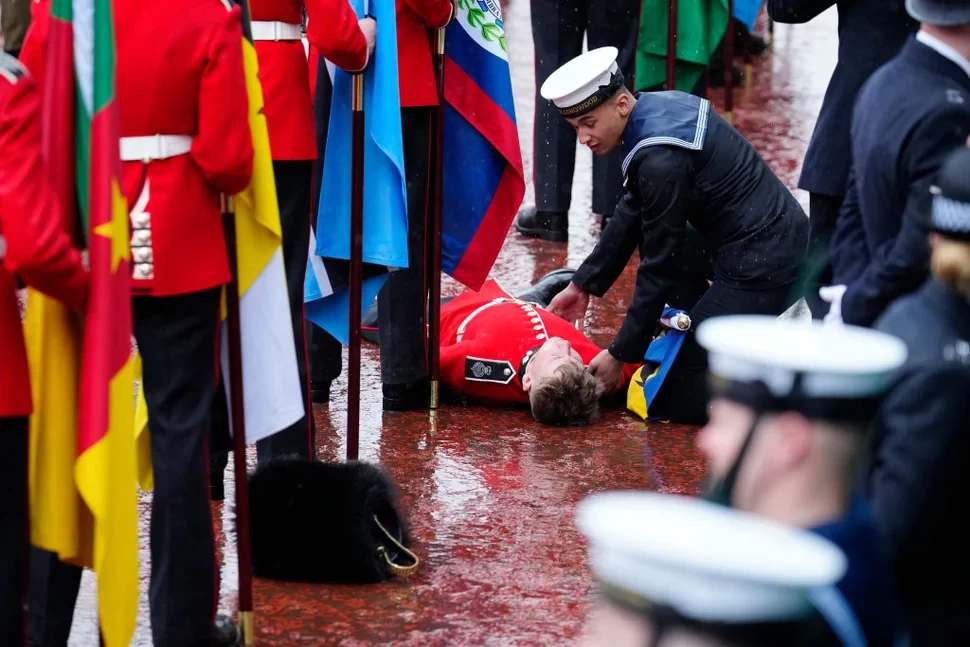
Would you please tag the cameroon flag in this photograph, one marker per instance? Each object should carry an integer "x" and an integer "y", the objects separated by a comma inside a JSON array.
[
  {"x": 96, "y": 444},
  {"x": 271, "y": 383}
]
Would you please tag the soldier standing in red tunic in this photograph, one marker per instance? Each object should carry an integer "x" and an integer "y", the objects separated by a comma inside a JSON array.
[
  {"x": 277, "y": 29},
  {"x": 335, "y": 31},
  {"x": 185, "y": 139},
  {"x": 34, "y": 248}
]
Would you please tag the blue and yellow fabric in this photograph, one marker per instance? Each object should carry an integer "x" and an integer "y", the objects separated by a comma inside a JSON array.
[{"x": 659, "y": 358}]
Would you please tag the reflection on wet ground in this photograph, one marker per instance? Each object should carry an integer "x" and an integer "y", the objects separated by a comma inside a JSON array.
[{"x": 489, "y": 494}]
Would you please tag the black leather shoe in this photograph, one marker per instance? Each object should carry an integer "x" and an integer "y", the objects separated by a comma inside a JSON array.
[
  {"x": 548, "y": 286},
  {"x": 410, "y": 396},
  {"x": 546, "y": 225},
  {"x": 320, "y": 392},
  {"x": 225, "y": 632}
]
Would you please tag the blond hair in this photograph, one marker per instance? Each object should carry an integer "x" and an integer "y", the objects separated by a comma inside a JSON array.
[
  {"x": 950, "y": 262},
  {"x": 569, "y": 397}
]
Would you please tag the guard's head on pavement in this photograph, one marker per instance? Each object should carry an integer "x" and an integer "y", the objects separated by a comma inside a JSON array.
[
  {"x": 561, "y": 390},
  {"x": 940, "y": 13},
  {"x": 949, "y": 222},
  {"x": 676, "y": 571},
  {"x": 791, "y": 403},
  {"x": 590, "y": 94}
]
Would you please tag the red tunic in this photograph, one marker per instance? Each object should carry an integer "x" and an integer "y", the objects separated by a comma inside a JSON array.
[
  {"x": 497, "y": 330},
  {"x": 415, "y": 71},
  {"x": 180, "y": 72},
  {"x": 35, "y": 41},
  {"x": 38, "y": 250},
  {"x": 331, "y": 29}
]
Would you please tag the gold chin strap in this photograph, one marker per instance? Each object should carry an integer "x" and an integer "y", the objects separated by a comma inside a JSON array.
[{"x": 400, "y": 571}]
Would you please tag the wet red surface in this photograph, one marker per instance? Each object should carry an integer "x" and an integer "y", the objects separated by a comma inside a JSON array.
[{"x": 490, "y": 495}]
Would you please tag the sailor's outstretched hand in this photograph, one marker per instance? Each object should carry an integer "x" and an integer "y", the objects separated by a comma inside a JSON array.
[
  {"x": 570, "y": 304},
  {"x": 607, "y": 369}
]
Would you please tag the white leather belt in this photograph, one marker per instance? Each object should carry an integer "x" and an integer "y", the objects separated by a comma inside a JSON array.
[
  {"x": 154, "y": 147},
  {"x": 276, "y": 30}
]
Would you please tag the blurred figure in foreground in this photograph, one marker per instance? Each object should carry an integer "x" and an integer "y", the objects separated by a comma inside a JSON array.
[
  {"x": 790, "y": 410},
  {"x": 918, "y": 482},
  {"x": 675, "y": 571}
]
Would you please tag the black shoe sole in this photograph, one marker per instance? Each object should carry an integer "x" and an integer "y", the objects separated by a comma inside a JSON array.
[
  {"x": 405, "y": 404},
  {"x": 543, "y": 234}
]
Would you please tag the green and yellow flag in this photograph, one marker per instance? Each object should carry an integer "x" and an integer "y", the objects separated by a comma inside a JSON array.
[
  {"x": 700, "y": 28},
  {"x": 85, "y": 406}
]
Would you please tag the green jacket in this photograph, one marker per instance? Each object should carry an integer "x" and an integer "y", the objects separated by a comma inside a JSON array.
[{"x": 700, "y": 28}]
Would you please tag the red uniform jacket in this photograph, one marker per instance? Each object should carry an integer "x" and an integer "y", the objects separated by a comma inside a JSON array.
[
  {"x": 37, "y": 248},
  {"x": 35, "y": 41},
  {"x": 332, "y": 29},
  {"x": 485, "y": 336},
  {"x": 415, "y": 71},
  {"x": 180, "y": 72}
]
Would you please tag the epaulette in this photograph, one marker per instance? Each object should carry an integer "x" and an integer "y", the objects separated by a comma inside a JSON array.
[
  {"x": 11, "y": 69},
  {"x": 478, "y": 369}
]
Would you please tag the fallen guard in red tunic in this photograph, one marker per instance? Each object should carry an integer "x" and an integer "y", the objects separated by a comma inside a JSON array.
[{"x": 496, "y": 347}]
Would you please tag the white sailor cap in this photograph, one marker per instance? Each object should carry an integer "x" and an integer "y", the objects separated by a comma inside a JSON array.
[
  {"x": 823, "y": 371},
  {"x": 705, "y": 562},
  {"x": 585, "y": 82}
]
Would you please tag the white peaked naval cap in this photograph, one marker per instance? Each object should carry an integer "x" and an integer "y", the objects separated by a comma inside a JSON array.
[
  {"x": 584, "y": 82},
  {"x": 707, "y": 562},
  {"x": 834, "y": 362}
]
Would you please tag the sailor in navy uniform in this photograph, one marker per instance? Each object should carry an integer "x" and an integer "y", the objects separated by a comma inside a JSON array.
[
  {"x": 918, "y": 482},
  {"x": 909, "y": 116},
  {"x": 695, "y": 189},
  {"x": 674, "y": 570},
  {"x": 791, "y": 406}
]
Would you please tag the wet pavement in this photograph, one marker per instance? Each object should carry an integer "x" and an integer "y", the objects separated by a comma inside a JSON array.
[{"x": 489, "y": 494}]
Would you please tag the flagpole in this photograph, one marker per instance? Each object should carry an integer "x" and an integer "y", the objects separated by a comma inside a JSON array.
[
  {"x": 434, "y": 230},
  {"x": 671, "y": 45},
  {"x": 246, "y": 620},
  {"x": 356, "y": 266},
  {"x": 728, "y": 54}
]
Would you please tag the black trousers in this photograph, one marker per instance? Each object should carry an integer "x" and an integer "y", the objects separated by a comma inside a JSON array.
[
  {"x": 401, "y": 302},
  {"x": 823, "y": 211},
  {"x": 293, "y": 180},
  {"x": 683, "y": 396},
  {"x": 177, "y": 340},
  {"x": 14, "y": 535},
  {"x": 558, "y": 27},
  {"x": 293, "y": 196}
]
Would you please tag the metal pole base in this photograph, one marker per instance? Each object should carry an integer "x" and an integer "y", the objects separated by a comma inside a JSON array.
[{"x": 247, "y": 627}]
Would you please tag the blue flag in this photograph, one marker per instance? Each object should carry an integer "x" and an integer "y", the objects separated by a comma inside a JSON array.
[
  {"x": 660, "y": 356},
  {"x": 385, "y": 191},
  {"x": 746, "y": 12}
]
